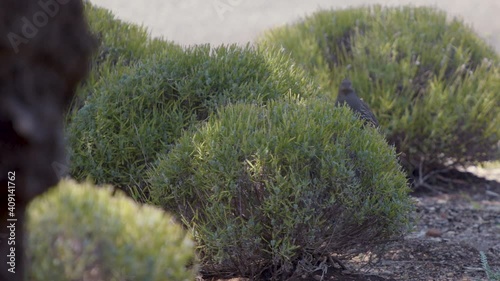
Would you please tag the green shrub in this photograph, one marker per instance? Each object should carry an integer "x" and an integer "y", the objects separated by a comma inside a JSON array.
[
  {"x": 78, "y": 232},
  {"x": 432, "y": 83},
  {"x": 132, "y": 117},
  {"x": 276, "y": 188},
  {"x": 121, "y": 45}
]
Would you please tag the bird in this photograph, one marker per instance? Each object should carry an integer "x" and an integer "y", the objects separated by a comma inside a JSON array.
[{"x": 347, "y": 96}]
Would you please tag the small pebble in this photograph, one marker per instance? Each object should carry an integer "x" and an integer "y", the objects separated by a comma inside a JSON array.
[{"x": 433, "y": 232}]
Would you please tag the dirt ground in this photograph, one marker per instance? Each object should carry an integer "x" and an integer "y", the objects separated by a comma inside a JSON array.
[{"x": 453, "y": 227}]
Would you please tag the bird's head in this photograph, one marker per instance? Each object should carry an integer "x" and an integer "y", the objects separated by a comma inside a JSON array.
[{"x": 345, "y": 87}]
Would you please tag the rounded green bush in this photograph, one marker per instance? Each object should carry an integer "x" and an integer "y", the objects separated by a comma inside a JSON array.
[
  {"x": 79, "y": 232},
  {"x": 275, "y": 188},
  {"x": 432, "y": 83},
  {"x": 132, "y": 117},
  {"x": 121, "y": 45}
]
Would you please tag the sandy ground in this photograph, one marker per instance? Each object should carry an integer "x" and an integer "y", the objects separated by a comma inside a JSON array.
[{"x": 239, "y": 21}]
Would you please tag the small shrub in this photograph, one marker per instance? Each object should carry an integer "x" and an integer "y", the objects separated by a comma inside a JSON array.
[
  {"x": 275, "y": 188},
  {"x": 78, "y": 232},
  {"x": 121, "y": 45},
  {"x": 432, "y": 83},
  {"x": 132, "y": 117}
]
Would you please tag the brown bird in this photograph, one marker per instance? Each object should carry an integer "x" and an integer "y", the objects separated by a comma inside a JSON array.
[{"x": 347, "y": 96}]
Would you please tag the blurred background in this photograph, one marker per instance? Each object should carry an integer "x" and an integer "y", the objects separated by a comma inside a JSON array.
[{"x": 239, "y": 21}]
